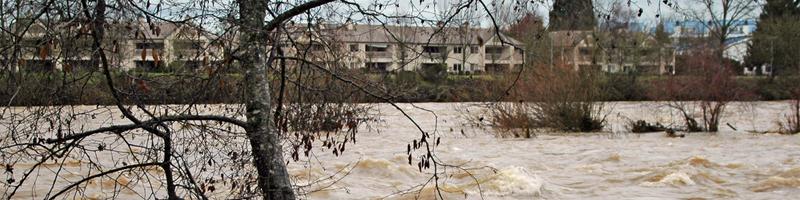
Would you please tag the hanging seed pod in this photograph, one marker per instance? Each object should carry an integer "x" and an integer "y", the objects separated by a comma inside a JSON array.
[
  {"x": 44, "y": 51},
  {"x": 156, "y": 58}
]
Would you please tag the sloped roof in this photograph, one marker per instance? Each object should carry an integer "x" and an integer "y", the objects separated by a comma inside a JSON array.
[
  {"x": 144, "y": 30},
  {"x": 128, "y": 29},
  {"x": 601, "y": 39},
  {"x": 568, "y": 38},
  {"x": 360, "y": 33}
]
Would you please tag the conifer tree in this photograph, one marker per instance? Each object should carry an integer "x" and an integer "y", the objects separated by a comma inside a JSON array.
[
  {"x": 572, "y": 15},
  {"x": 775, "y": 40}
]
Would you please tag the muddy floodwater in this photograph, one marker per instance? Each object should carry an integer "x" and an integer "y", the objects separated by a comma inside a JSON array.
[{"x": 739, "y": 162}]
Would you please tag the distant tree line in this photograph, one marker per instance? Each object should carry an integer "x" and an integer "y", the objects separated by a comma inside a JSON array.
[{"x": 776, "y": 40}]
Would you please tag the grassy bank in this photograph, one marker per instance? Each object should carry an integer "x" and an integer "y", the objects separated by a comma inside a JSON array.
[{"x": 30, "y": 89}]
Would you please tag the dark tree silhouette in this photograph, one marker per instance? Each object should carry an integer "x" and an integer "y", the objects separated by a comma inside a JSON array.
[
  {"x": 572, "y": 15},
  {"x": 775, "y": 40}
]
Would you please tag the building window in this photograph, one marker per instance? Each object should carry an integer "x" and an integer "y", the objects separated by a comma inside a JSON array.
[
  {"x": 38, "y": 65},
  {"x": 148, "y": 65},
  {"x": 494, "y": 50},
  {"x": 431, "y": 49},
  {"x": 584, "y": 51},
  {"x": 353, "y": 48},
  {"x": 188, "y": 44},
  {"x": 457, "y": 68},
  {"x": 457, "y": 50},
  {"x": 377, "y": 67},
  {"x": 377, "y": 48},
  {"x": 473, "y": 49},
  {"x": 150, "y": 45}
]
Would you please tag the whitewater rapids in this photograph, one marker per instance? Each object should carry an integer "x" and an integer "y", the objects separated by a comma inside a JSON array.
[{"x": 731, "y": 164}]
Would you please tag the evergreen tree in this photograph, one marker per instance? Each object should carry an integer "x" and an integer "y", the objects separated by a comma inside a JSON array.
[
  {"x": 661, "y": 34},
  {"x": 775, "y": 40},
  {"x": 572, "y": 15},
  {"x": 780, "y": 8}
]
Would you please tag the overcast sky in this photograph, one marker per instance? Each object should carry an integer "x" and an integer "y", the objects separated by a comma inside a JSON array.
[{"x": 653, "y": 10}]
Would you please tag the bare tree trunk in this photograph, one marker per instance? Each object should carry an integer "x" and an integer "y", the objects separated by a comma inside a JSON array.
[{"x": 273, "y": 179}]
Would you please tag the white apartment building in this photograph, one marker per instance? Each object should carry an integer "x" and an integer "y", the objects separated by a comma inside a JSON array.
[
  {"x": 634, "y": 52},
  {"x": 153, "y": 46},
  {"x": 395, "y": 48},
  {"x": 131, "y": 45}
]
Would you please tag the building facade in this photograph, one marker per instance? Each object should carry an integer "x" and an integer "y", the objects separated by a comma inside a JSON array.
[
  {"x": 611, "y": 52},
  {"x": 128, "y": 46},
  {"x": 408, "y": 48},
  {"x": 156, "y": 47}
]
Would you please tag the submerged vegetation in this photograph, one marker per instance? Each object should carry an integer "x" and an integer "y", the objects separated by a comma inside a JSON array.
[
  {"x": 711, "y": 84},
  {"x": 791, "y": 122},
  {"x": 641, "y": 126},
  {"x": 557, "y": 98}
]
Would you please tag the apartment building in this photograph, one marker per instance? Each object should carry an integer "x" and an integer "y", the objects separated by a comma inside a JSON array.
[
  {"x": 381, "y": 48},
  {"x": 137, "y": 45},
  {"x": 634, "y": 52},
  {"x": 128, "y": 46}
]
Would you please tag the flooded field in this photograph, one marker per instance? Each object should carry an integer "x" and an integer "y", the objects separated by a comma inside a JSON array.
[{"x": 731, "y": 164}]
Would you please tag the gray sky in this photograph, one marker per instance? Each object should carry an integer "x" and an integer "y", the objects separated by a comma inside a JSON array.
[{"x": 429, "y": 8}]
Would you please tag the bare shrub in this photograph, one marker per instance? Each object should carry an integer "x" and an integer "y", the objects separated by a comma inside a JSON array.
[
  {"x": 791, "y": 125},
  {"x": 511, "y": 117},
  {"x": 565, "y": 99},
  {"x": 557, "y": 98},
  {"x": 710, "y": 83}
]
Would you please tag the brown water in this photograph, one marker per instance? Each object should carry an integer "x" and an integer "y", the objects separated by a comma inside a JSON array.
[{"x": 609, "y": 165}]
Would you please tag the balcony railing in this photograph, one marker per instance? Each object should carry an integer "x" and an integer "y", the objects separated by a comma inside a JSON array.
[
  {"x": 188, "y": 53},
  {"x": 379, "y": 54},
  {"x": 496, "y": 56},
  {"x": 433, "y": 55}
]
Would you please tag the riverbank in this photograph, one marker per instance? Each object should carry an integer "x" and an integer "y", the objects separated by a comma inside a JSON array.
[{"x": 43, "y": 89}]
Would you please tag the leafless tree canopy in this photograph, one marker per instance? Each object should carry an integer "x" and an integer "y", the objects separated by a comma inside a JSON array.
[{"x": 259, "y": 57}]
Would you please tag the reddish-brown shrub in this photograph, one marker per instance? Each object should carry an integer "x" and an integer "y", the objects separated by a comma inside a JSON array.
[
  {"x": 791, "y": 125},
  {"x": 709, "y": 81},
  {"x": 558, "y": 97}
]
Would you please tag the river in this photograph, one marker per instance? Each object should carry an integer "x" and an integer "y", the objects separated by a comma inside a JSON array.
[{"x": 731, "y": 164}]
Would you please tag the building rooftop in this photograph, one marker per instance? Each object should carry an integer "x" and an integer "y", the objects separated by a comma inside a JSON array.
[{"x": 360, "y": 33}]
